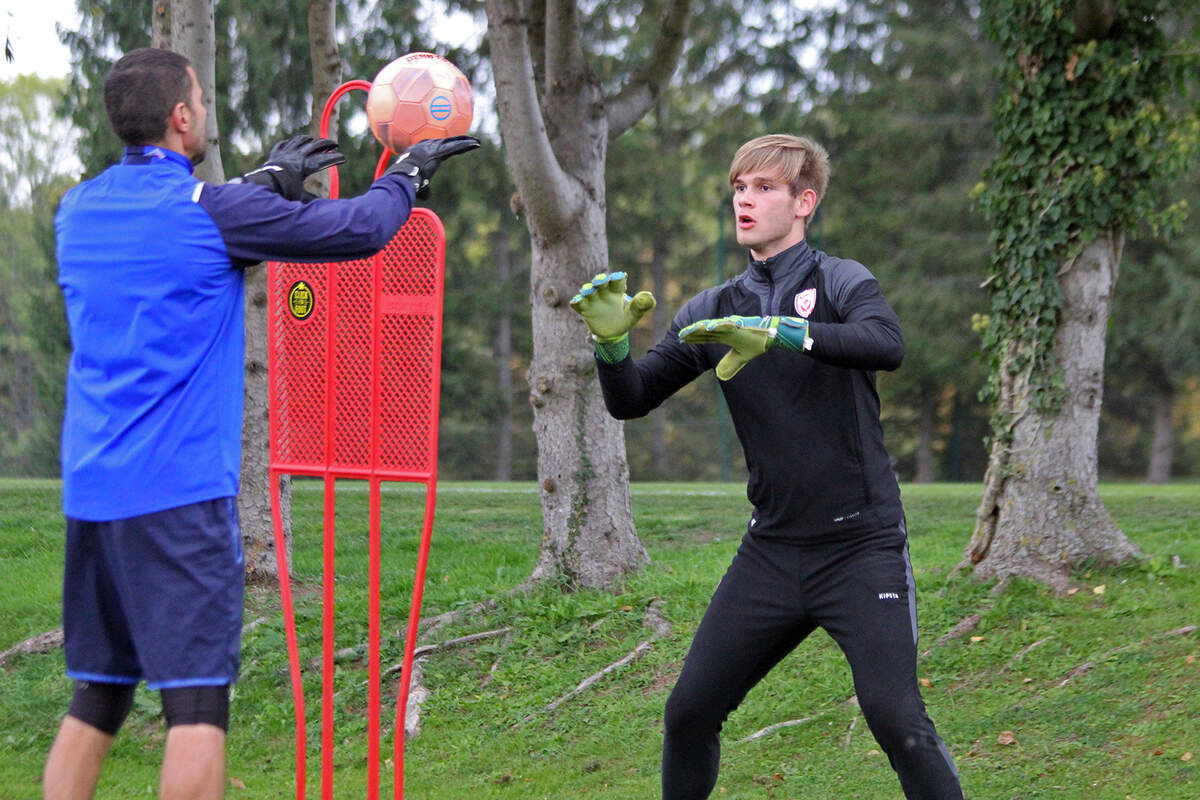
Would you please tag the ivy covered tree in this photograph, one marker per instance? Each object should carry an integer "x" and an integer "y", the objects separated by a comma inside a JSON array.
[{"x": 1090, "y": 126}]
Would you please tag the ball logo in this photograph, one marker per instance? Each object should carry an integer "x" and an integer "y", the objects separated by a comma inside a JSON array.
[
  {"x": 301, "y": 300},
  {"x": 440, "y": 108}
]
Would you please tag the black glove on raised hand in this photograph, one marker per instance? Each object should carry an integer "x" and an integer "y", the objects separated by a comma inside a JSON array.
[
  {"x": 293, "y": 160},
  {"x": 419, "y": 162}
]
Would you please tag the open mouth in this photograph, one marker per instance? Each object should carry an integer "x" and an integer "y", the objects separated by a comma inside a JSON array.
[{"x": 744, "y": 221}]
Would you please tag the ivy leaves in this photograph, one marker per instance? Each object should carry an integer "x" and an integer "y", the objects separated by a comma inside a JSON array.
[{"x": 1088, "y": 133}]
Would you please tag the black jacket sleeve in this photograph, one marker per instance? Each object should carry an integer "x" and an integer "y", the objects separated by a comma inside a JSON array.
[{"x": 868, "y": 335}]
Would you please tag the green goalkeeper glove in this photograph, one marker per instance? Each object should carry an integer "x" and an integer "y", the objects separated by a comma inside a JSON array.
[
  {"x": 748, "y": 337},
  {"x": 609, "y": 313}
]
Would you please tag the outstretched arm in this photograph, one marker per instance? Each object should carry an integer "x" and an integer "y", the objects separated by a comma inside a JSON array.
[
  {"x": 259, "y": 223},
  {"x": 633, "y": 388}
]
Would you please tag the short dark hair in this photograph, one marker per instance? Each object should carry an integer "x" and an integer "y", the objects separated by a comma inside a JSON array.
[{"x": 141, "y": 90}]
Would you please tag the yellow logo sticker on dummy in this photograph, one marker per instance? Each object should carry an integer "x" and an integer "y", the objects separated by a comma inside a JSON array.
[{"x": 301, "y": 300}]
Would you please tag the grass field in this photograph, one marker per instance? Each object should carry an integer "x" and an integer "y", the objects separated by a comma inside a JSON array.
[{"x": 1091, "y": 695}]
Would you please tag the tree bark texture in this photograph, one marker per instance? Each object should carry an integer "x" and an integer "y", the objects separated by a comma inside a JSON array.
[
  {"x": 557, "y": 124},
  {"x": 1041, "y": 512},
  {"x": 254, "y": 492},
  {"x": 160, "y": 25},
  {"x": 1162, "y": 444},
  {"x": 186, "y": 26}
]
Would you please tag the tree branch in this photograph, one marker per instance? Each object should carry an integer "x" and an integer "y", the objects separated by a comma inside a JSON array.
[
  {"x": 647, "y": 83},
  {"x": 547, "y": 192}
]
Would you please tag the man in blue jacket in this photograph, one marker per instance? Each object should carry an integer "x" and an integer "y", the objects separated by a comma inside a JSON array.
[
  {"x": 795, "y": 341},
  {"x": 151, "y": 266}
]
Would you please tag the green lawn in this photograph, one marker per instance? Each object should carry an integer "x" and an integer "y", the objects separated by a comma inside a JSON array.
[{"x": 1105, "y": 706}]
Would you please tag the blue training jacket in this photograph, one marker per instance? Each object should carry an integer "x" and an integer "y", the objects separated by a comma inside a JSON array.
[{"x": 150, "y": 262}]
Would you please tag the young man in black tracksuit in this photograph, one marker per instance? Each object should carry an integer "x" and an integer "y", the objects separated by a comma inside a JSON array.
[{"x": 795, "y": 341}]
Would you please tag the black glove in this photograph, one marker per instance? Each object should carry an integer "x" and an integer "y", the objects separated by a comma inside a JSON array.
[
  {"x": 419, "y": 162},
  {"x": 293, "y": 160}
]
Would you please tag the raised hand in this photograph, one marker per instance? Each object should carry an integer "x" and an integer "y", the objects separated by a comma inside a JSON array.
[{"x": 609, "y": 313}]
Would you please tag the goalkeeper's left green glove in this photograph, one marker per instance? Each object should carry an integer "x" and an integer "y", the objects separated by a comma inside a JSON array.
[{"x": 748, "y": 337}]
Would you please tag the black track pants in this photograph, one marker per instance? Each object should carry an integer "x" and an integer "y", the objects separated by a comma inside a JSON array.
[{"x": 774, "y": 594}]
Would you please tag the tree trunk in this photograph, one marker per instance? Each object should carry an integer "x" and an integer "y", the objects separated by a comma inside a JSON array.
[
  {"x": 160, "y": 25},
  {"x": 503, "y": 352},
  {"x": 557, "y": 124},
  {"x": 589, "y": 539},
  {"x": 926, "y": 423},
  {"x": 1163, "y": 443},
  {"x": 254, "y": 491},
  {"x": 1041, "y": 512}
]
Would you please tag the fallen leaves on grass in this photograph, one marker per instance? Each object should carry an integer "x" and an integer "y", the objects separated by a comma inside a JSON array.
[{"x": 1006, "y": 738}]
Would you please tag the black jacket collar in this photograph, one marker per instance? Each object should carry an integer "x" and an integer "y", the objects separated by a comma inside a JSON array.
[{"x": 791, "y": 264}]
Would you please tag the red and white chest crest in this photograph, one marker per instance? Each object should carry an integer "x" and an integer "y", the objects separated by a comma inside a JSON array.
[{"x": 806, "y": 301}]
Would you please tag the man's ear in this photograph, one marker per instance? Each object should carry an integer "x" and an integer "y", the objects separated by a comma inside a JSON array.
[
  {"x": 806, "y": 203},
  {"x": 180, "y": 118}
]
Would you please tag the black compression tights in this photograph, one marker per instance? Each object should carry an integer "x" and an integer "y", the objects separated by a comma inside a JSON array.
[{"x": 772, "y": 597}]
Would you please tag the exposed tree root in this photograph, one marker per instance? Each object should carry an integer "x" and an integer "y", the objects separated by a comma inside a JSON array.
[
  {"x": 42, "y": 643},
  {"x": 1087, "y": 665},
  {"x": 659, "y": 627},
  {"x": 850, "y": 733},
  {"x": 767, "y": 731},
  {"x": 428, "y": 649},
  {"x": 961, "y": 629},
  {"x": 418, "y": 693},
  {"x": 50, "y": 641},
  {"x": 1021, "y": 654}
]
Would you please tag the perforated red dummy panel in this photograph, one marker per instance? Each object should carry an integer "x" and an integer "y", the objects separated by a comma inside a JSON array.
[{"x": 355, "y": 359}]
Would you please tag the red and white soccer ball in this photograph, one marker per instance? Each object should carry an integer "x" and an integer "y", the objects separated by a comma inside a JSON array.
[{"x": 418, "y": 96}]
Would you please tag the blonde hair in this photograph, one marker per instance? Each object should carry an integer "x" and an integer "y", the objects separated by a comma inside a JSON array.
[{"x": 801, "y": 163}]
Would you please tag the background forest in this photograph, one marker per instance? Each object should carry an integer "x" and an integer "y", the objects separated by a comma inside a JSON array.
[{"x": 901, "y": 94}]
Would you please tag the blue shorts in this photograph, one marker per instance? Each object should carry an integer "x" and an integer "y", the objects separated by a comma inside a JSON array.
[{"x": 155, "y": 597}]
